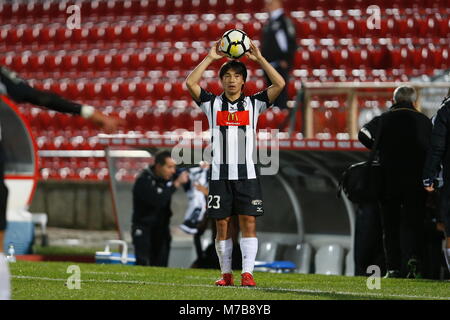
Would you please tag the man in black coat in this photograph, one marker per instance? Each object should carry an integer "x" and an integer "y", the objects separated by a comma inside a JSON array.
[
  {"x": 152, "y": 194},
  {"x": 404, "y": 140},
  {"x": 438, "y": 157},
  {"x": 278, "y": 45}
]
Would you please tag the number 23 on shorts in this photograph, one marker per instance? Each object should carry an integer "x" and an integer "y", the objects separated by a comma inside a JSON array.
[{"x": 214, "y": 202}]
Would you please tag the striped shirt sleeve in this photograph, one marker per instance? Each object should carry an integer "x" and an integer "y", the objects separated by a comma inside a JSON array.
[
  {"x": 262, "y": 101},
  {"x": 205, "y": 98}
]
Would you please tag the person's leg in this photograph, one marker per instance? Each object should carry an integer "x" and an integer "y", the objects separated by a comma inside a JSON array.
[
  {"x": 444, "y": 215},
  {"x": 390, "y": 218},
  {"x": 368, "y": 245},
  {"x": 413, "y": 224},
  {"x": 141, "y": 243},
  {"x": 162, "y": 259},
  {"x": 248, "y": 243},
  {"x": 224, "y": 244},
  {"x": 220, "y": 209}
]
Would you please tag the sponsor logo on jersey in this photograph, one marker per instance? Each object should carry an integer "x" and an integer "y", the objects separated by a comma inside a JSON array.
[{"x": 238, "y": 118}]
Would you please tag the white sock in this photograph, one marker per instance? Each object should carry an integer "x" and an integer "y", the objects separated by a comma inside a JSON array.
[
  {"x": 224, "y": 249},
  {"x": 249, "y": 248},
  {"x": 5, "y": 287}
]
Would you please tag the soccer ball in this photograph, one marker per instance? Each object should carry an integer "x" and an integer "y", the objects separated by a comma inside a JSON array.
[{"x": 234, "y": 43}]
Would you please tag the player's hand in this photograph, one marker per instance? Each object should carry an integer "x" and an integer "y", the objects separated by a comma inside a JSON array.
[
  {"x": 214, "y": 52},
  {"x": 430, "y": 188},
  {"x": 254, "y": 53},
  {"x": 108, "y": 124}
]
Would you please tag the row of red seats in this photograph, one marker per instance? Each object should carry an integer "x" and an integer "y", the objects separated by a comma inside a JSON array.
[
  {"x": 35, "y": 10},
  {"x": 200, "y": 31},
  {"x": 153, "y": 120},
  {"x": 379, "y": 57},
  {"x": 375, "y": 57}
]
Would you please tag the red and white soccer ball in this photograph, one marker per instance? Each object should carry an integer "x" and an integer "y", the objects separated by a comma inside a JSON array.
[{"x": 234, "y": 43}]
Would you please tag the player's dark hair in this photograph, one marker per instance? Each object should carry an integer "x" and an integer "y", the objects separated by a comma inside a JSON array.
[
  {"x": 161, "y": 156},
  {"x": 236, "y": 66}
]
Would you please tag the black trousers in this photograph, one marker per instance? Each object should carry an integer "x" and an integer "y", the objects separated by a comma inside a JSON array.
[
  {"x": 444, "y": 207},
  {"x": 368, "y": 246},
  {"x": 403, "y": 218},
  {"x": 151, "y": 244}
]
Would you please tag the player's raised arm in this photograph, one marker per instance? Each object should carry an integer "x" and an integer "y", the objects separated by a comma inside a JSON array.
[
  {"x": 193, "y": 80},
  {"x": 277, "y": 80},
  {"x": 20, "y": 91}
]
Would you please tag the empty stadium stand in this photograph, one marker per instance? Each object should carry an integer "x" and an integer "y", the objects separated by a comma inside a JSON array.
[{"x": 130, "y": 58}]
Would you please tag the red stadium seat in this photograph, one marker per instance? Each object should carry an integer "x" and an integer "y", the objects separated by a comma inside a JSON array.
[
  {"x": 127, "y": 90},
  {"x": 146, "y": 32},
  {"x": 137, "y": 61},
  {"x": 35, "y": 62},
  {"x": 129, "y": 33},
  {"x": 52, "y": 62},
  {"x": 119, "y": 61},
  {"x": 143, "y": 90},
  {"x": 189, "y": 60},
  {"x": 199, "y": 32},
  {"x": 69, "y": 62},
  {"x": 180, "y": 31},
  {"x": 161, "y": 90},
  {"x": 154, "y": 61},
  {"x": 302, "y": 59},
  {"x": 85, "y": 62},
  {"x": 172, "y": 61},
  {"x": 443, "y": 27},
  {"x": 179, "y": 91}
]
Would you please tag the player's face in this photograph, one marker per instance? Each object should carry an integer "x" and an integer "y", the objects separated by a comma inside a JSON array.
[
  {"x": 167, "y": 170},
  {"x": 232, "y": 82}
]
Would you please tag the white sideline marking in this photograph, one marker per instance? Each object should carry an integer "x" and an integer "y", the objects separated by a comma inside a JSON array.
[{"x": 237, "y": 287}]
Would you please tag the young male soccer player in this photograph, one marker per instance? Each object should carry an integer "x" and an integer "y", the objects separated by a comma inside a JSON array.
[{"x": 234, "y": 187}]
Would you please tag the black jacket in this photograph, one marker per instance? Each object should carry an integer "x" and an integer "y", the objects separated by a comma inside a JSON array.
[
  {"x": 151, "y": 200},
  {"x": 20, "y": 91},
  {"x": 270, "y": 48},
  {"x": 438, "y": 152},
  {"x": 403, "y": 145}
]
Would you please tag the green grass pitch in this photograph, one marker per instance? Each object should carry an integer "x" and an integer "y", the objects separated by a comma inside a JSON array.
[{"x": 51, "y": 280}]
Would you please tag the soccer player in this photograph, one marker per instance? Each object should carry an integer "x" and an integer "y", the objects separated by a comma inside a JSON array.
[
  {"x": 20, "y": 91},
  {"x": 234, "y": 187}
]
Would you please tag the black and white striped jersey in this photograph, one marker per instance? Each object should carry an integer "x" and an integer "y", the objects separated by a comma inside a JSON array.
[{"x": 233, "y": 134}]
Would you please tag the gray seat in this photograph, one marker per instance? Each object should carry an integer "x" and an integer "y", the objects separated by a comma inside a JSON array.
[
  {"x": 267, "y": 251},
  {"x": 301, "y": 255},
  {"x": 329, "y": 260},
  {"x": 349, "y": 264}
]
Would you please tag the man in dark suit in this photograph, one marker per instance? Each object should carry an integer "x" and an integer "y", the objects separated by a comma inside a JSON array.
[
  {"x": 278, "y": 45},
  {"x": 404, "y": 140}
]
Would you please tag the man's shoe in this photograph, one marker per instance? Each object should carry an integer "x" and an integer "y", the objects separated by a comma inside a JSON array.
[
  {"x": 247, "y": 280},
  {"x": 392, "y": 274},
  {"x": 226, "y": 280}
]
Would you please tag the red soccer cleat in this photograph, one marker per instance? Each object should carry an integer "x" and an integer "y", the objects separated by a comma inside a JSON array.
[
  {"x": 227, "y": 280},
  {"x": 247, "y": 280}
]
